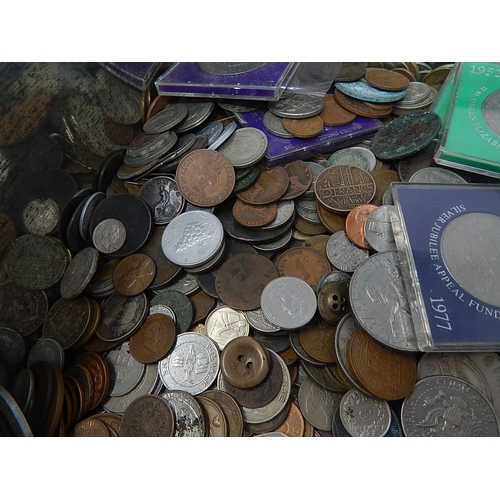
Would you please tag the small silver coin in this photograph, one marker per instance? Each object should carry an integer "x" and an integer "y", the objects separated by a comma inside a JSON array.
[
  {"x": 378, "y": 228},
  {"x": 163, "y": 198},
  {"x": 297, "y": 106},
  {"x": 189, "y": 420},
  {"x": 165, "y": 119},
  {"x": 109, "y": 236},
  {"x": 245, "y": 147},
  {"x": 79, "y": 273},
  {"x": 344, "y": 255},
  {"x": 288, "y": 302}
]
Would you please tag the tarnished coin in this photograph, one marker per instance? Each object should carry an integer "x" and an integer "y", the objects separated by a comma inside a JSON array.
[
  {"x": 355, "y": 225},
  {"x": 422, "y": 159},
  {"x": 294, "y": 425},
  {"x": 167, "y": 118},
  {"x": 101, "y": 375},
  {"x": 332, "y": 222},
  {"x": 445, "y": 406},
  {"x": 384, "y": 79},
  {"x": 134, "y": 274},
  {"x": 274, "y": 124},
  {"x": 288, "y": 302},
  {"x": 361, "y": 90},
  {"x": 405, "y": 135},
  {"x": 179, "y": 303},
  {"x": 354, "y": 156},
  {"x": 202, "y": 305},
  {"x": 383, "y": 180},
  {"x": 198, "y": 110},
  {"x": 254, "y": 216},
  {"x": 304, "y": 128},
  {"x": 351, "y": 71},
  {"x": 270, "y": 185},
  {"x": 437, "y": 175},
  {"x": 245, "y": 147},
  {"x": 48, "y": 350},
  {"x": 224, "y": 324},
  {"x": 12, "y": 349},
  {"x": 379, "y": 302},
  {"x": 296, "y": 106},
  {"x": 333, "y": 114},
  {"x": 163, "y": 198},
  {"x": 90, "y": 427},
  {"x": 215, "y": 418},
  {"x": 241, "y": 279},
  {"x": 358, "y": 107},
  {"x": 378, "y": 228},
  {"x": 41, "y": 216},
  {"x": 109, "y": 236},
  {"x": 114, "y": 422},
  {"x": 79, "y": 273},
  {"x": 383, "y": 372},
  {"x": 317, "y": 339},
  {"x": 300, "y": 177},
  {"x": 154, "y": 339},
  {"x": 364, "y": 415},
  {"x": 35, "y": 262},
  {"x": 205, "y": 177},
  {"x": 344, "y": 255},
  {"x": 8, "y": 232},
  {"x": 126, "y": 372},
  {"x": 231, "y": 410},
  {"x": 340, "y": 188},
  {"x": 189, "y": 419},
  {"x": 193, "y": 364},
  {"x": 260, "y": 323},
  {"x": 148, "y": 416},
  {"x": 226, "y": 133}
]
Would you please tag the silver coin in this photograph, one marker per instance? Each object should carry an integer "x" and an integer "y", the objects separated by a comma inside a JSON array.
[
  {"x": 297, "y": 106},
  {"x": 164, "y": 147},
  {"x": 343, "y": 254},
  {"x": 445, "y": 406},
  {"x": 161, "y": 309},
  {"x": 266, "y": 413},
  {"x": 310, "y": 216},
  {"x": 364, "y": 415},
  {"x": 333, "y": 276},
  {"x": 274, "y": 124},
  {"x": 210, "y": 263},
  {"x": 317, "y": 404},
  {"x": 79, "y": 273},
  {"x": 245, "y": 147},
  {"x": 224, "y": 324},
  {"x": 378, "y": 228},
  {"x": 192, "y": 238},
  {"x": 126, "y": 371},
  {"x": 285, "y": 213},
  {"x": 189, "y": 420},
  {"x": 211, "y": 131},
  {"x": 229, "y": 129},
  {"x": 276, "y": 244},
  {"x": 288, "y": 302},
  {"x": 147, "y": 385},
  {"x": 489, "y": 111},
  {"x": 415, "y": 93},
  {"x": 197, "y": 112},
  {"x": 163, "y": 198},
  {"x": 355, "y": 156},
  {"x": 48, "y": 350},
  {"x": 12, "y": 416},
  {"x": 421, "y": 106},
  {"x": 388, "y": 199},
  {"x": 109, "y": 236},
  {"x": 234, "y": 106},
  {"x": 167, "y": 118},
  {"x": 41, "y": 216},
  {"x": 315, "y": 169},
  {"x": 259, "y": 322},
  {"x": 278, "y": 343},
  {"x": 193, "y": 364},
  {"x": 183, "y": 145},
  {"x": 479, "y": 369},
  {"x": 186, "y": 283},
  {"x": 437, "y": 175},
  {"x": 84, "y": 223},
  {"x": 379, "y": 302}
]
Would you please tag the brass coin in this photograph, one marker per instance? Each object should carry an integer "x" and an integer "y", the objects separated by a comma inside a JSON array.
[
  {"x": 438, "y": 75},
  {"x": 333, "y": 301},
  {"x": 205, "y": 177},
  {"x": 294, "y": 425},
  {"x": 357, "y": 106},
  {"x": 134, "y": 274},
  {"x": 304, "y": 263},
  {"x": 333, "y": 222},
  {"x": 112, "y": 420},
  {"x": 230, "y": 408},
  {"x": 318, "y": 340},
  {"x": 254, "y": 215},
  {"x": 381, "y": 371},
  {"x": 300, "y": 179},
  {"x": 154, "y": 339},
  {"x": 340, "y": 188},
  {"x": 270, "y": 186},
  {"x": 215, "y": 417},
  {"x": 333, "y": 114},
  {"x": 241, "y": 279},
  {"x": 355, "y": 225},
  {"x": 304, "y": 128},
  {"x": 385, "y": 79}
]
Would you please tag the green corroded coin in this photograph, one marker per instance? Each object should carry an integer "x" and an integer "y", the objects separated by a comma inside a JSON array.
[{"x": 406, "y": 135}]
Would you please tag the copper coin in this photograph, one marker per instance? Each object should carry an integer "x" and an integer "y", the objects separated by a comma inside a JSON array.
[
  {"x": 244, "y": 362},
  {"x": 300, "y": 179},
  {"x": 100, "y": 373},
  {"x": 333, "y": 222},
  {"x": 84, "y": 378},
  {"x": 340, "y": 188},
  {"x": 215, "y": 417},
  {"x": 383, "y": 179},
  {"x": 90, "y": 427},
  {"x": 304, "y": 128},
  {"x": 355, "y": 225},
  {"x": 356, "y": 106},
  {"x": 134, "y": 274},
  {"x": 254, "y": 215},
  {"x": 333, "y": 301},
  {"x": 75, "y": 387},
  {"x": 334, "y": 115},
  {"x": 380, "y": 106},
  {"x": 270, "y": 186},
  {"x": 405, "y": 72},
  {"x": 294, "y": 425},
  {"x": 95, "y": 318},
  {"x": 202, "y": 305},
  {"x": 318, "y": 340},
  {"x": 8, "y": 232},
  {"x": 308, "y": 228},
  {"x": 241, "y": 279},
  {"x": 230, "y": 408},
  {"x": 381, "y": 371},
  {"x": 205, "y": 177},
  {"x": 304, "y": 263},
  {"x": 148, "y": 416},
  {"x": 154, "y": 339},
  {"x": 385, "y": 79}
]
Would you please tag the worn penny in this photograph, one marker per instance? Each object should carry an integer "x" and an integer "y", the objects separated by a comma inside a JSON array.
[
  {"x": 100, "y": 373},
  {"x": 318, "y": 340},
  {"x": 385, "y": 79},
  {"x": 254, "y": 215},
  {"x": 358, "y": 107},
  {"x": 333, "y": 222},
  {"x": 355, "y": 225},
  {"x": 270, "y": 186},
  {"x": 134, "y": 274},
  {"x": 333, "y": 114},
  {"x": 294, "y": 425},
  {"x": 300, "y": 179},
  {"x": 304, "y": 128}
]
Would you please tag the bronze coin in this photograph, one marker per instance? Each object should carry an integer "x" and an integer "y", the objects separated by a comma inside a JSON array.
[
  {"x": 241, "y": 279},
  {"x": 90, "y": 427},
  {"x": 76, "y": 388},
  {"x": 214, "y": 416},
  {"x": 383, "y": 179},
  {"x": 333, "y": 114},
  {"x": 380, "y": 106},
  {"x": 134, "y": 274},
  {"x": 254, "y": 215},
  {"x": 244, "y": 362},
  {"x": 304, "y": 128},
  {"x": 85, "y": 379},
  {"x": 270, "y": 186},
  {"x": 385, "y": 79},
  {"x": 340, "y": 188},
  {"x": 148, "y": 416},
  {"x": 355, "y": 225},
  {"x": 95, "y": 318},
  {"x": 56, "y": 405},
  {"x": 304, "y": 263},
  {"x": 205, "y": 177},
  {"x": 154, "y": 339},
  {"x": 381, "y": 371},
  {"x": 318, "y": 243},
  {"x": 230, "y": 408},
  {"x": 118, "y": 133},
  {"x": 100, "y": 374},
  {"x": 308, "y": 228},
  {"x": 112, "y": 420},
  {"x": 157, "y": 104},
  {"x": 300, "y": 179},
  {"x": 333, "y": 222},
  {"x": 405, "y": 72},
  {"x": 317, "y": 338},
  {"x": 333, "y": 301},
  {"x": 294, "y": 425},
  {"x": 202, "y": 305},
  {"x": 289, "y": 356},
  {"x": 356, "y": 106},
  {"x": 8, "y": 232}
]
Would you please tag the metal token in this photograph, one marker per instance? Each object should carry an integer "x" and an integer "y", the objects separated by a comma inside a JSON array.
[
  {"x": 245, "y": 147},
  {"x": 148, "y": 416},
  {"x": 167, "y": 118},
  {"x": 224, "y": 324},
  {"x": 193, "y": 364},
  {"x": 109, "y": 236},
  {"x": 79, "y": 273},
  {"x": 354, "y": 156},
  {"x": 296, "y": 106},
  {"x": 344, "y": 255},
  {"x": 189, "y": 419},
  {"x": 364, "y": 92}
]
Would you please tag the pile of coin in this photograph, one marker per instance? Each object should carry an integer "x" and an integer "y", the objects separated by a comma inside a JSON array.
[{"x": 187, "y": 289}]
